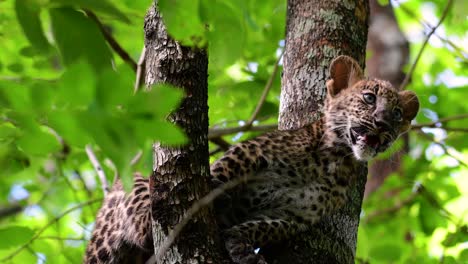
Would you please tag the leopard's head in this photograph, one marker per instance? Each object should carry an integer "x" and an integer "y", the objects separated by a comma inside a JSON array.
[{"x": 367, "y": 115}]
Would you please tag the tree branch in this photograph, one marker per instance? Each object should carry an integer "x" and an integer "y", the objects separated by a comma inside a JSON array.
[
  {"x": 418, "y": 56},
  {"x": 446, "y": 150},
  {"x": 136, "y": 158},
  {"x": 54, "y": 220},
  {"x": 216, "y": 151},
  {"x": 10, "y": 210},
  {"x": 98, "y": 168},
  {"x": 215, "y": 133},
  {"x": 140, "y": 73},
  {"x": 442, "y": 120},
  {"x": 221, "y": 143},
  {"x": 456, "y": 129},
  {"x": 111, "y": 40}
]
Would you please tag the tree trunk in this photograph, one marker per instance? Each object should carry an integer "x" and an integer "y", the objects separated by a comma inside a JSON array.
[
  {"x": 180, "y": 174},
  {"x": 389, "y": 52},
  {"x": 318, "y": 31}
]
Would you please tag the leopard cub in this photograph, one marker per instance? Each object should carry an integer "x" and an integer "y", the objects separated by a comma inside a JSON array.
[{"x": 295, "y": 177}]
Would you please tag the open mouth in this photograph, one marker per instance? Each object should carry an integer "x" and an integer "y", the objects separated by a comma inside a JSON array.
[{"x": 361, "y": 134}]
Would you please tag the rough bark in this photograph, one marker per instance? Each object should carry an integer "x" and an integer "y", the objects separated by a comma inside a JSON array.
[
  {"x": 389, "y": 52},
  {"x": 180, "y": 174},
  {"x": 318, "y": 31}
]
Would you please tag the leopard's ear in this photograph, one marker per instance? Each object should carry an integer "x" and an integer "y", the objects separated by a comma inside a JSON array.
[
  {"x": 410, "y": 104},
  {"x": 344, "y": 73}
]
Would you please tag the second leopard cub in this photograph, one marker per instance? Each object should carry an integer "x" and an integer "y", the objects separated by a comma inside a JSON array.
[{"x": 297, "y": 176}]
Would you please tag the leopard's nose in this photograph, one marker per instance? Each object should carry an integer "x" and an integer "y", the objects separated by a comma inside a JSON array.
[
  {"x": 380, "y": 121},
  {"x": 382, "y": 125}
]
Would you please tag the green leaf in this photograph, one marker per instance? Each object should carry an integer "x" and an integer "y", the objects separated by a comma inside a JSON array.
[
  {"x": 11, "y": 159},
  {"x": 182, "y": 21},
  {"x": 386, "y": 252},
  {"x": 463, "y": 256},
  {"x": 113, "y": 135},
  {"x": 101, "y": 6},
  {"x": 115, "y": 87},
  {"x": 15, "y": 96},
  {"x": 78, "y": 38},
  {"x": 127, "y": 181},
  {"x": 268, "y": 109},
  {"x": 430, "y": 218},
  {"x": 77, "y": 85},
  {"x": 7, "y": 130},
  {"x": 159, "y": 101},
  {"x": 27, "y": 12},
  {"x": 28, "y": 51},
  {"x": 226, "y": 34},
  {"x": 148, "y": 111},
  {"x": 383, "y": 2},
  {"x": 453, "y": 238},
  {"x": 162, "y": 131},
  {"x": 69, "y": 128},
  {"x": 450, "y": 260},
  {"x": 13, "y": 236},
  {"x": 41, "y": 97},
  {"x": 39, "y": 141},
  {"x": 16, "y": 67}
]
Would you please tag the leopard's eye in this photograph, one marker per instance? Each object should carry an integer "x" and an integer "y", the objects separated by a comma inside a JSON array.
[
  {"x": 397, "y": 115},
  {"x": 369, "y": 98}
]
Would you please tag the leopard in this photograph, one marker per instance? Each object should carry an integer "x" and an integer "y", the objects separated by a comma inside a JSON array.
[{"x": 290, "y": 179}]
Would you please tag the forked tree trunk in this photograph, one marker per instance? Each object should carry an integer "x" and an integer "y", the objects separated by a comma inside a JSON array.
[
  {"x": 180, "y": 174},
  {"x": 318, "y": 31}
]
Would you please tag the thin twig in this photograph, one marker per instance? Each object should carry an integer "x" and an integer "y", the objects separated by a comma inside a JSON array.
[
  {"x": 425, "y": 24},
  {"x": 140, "y": 70},
  {"x": 195, "y": 208},
  {"x": 418, "y": 56},
  {"x": 111, "y": 40},
  {"x": 215, "y": 133},
  {"x": 83, "y": 182},
  {"x": 136, "y": 158},
  {"x": 265, "y": 92},
  {"x": 221, "y": 143},
  {"x": 53, "y": 221},
  {"x": 456, "y": 129},
  {"x": 98, "y": 168},
  {"x": 216, "y": 151},
  {"x": 446, "y": 150},
  {"x": 248, "y": 126},
  {"x": 22, "y": 79},
  {"x": 442, "y": 120},
  {"x": 62, "y": 238}
]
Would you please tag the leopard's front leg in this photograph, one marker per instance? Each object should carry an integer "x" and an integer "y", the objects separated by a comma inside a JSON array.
[{"x": 242, "y": 239}]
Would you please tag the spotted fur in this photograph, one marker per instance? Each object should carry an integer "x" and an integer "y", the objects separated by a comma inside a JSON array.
[
  {"x": 295, "y": 177},
  {"x": 122, "y": 219}
]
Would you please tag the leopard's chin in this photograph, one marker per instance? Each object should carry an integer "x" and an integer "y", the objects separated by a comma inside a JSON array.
[{"x": 365, "y": 143}]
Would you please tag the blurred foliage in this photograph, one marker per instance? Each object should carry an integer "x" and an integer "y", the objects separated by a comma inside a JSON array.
[{"x": 63, "y": 88}]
